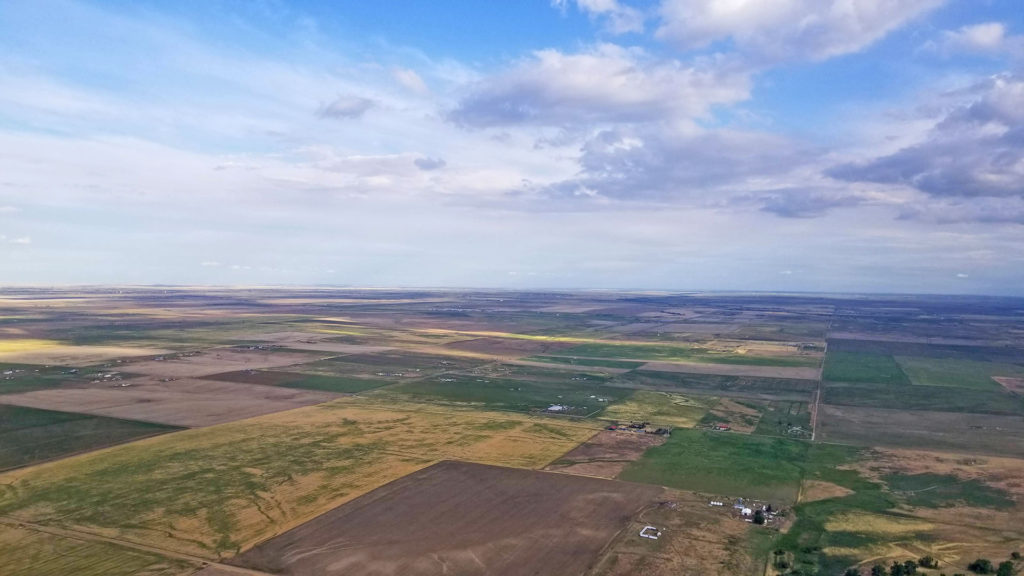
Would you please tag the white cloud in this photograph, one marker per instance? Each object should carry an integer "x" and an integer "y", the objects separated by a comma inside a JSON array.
[
  {"x": 9, "y": 209},
  {"x": 23, "y": 240},
  {"x": 985, "y": 38},
  {"x": 210, "y": 264},
  {"x": 774, "y": 31},
  {"x": 618, "y": 18},
  {"x": 606, "y": 83},
  {"x": 410, "y": 80}
]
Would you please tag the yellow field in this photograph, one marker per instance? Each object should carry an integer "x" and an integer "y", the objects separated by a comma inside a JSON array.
[
  {"x": 212, "y": 492},
  {"x": 659, "y": 408},
  {"x": 875, "y": 524},
  {"x": 26, "y": 552},
  {"x": 33, "y": 351}
]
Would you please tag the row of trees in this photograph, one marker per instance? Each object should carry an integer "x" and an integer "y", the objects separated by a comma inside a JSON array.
[{"x": 909, "y": 567}]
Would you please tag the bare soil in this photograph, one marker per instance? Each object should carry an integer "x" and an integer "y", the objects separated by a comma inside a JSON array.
[
  {"x": 696, "y": 540},
  {"x": 1015, "y": 385},
  {"x": 461, "y": 518},
  {"x": 606, "y": 454},
  {"x": 187, "y": 402}
]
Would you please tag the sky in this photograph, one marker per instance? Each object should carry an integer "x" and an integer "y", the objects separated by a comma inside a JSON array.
[{"x": 775, "y": 145}]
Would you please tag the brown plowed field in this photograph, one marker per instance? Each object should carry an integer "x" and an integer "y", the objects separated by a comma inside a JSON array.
[
  {"x": 606, "y": 454},
  {"x": 465, "y": 519}
]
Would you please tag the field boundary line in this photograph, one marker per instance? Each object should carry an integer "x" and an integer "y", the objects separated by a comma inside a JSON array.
[{"x": 78, "y": 534}]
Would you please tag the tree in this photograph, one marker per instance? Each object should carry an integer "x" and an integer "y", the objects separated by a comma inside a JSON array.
[
  {"x": 981, "y": 566},
  {"x": 1005, "y": 569},
  {"x": 910, "y": 567},
  {"x": 759, "y": 517},
  {"x": 851, "y": 572},
  {"x": 927, "y": 562},
  {"x": 877, "y": 570}
]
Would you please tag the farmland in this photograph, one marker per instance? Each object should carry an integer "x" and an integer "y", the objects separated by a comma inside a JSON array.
[
  {"x": 249, "y": 478},
  {"x": 437, "y": 519},
  {"x": 153, "y": 431},
  {"x": 28, "y": 435}
]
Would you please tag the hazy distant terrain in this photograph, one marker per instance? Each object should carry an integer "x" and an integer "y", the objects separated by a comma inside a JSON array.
[{"x": 173, "y": 431}]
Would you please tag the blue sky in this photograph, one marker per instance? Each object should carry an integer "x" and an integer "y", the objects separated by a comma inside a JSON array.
[{"x": 833, "y": 145}]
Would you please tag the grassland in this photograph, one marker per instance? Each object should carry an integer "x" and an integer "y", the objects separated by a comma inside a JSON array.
[
  {"x": 28, "y": 435},
  {"x": 725, "y": 464},
  {"x": 711, "y": 383},
  {"x": 27, "y": 552},
  {"x": 943, "y": 490},
  {"x": 217, "y": 490},
  {"x": 863, "y": 367},
  {"x": 781, "y": 418},
  {"x": 957, "y": 373},
  {"x": 660, "y": 409},
  {"x": 593, "y": 362},
  {"x": 581, "y": 395}
]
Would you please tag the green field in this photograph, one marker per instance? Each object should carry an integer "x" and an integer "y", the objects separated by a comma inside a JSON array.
[
  {"x": 863, "y": 367},
  {"x": 579, "y": 396},
  {"x": 957, "y": 373},
  {"x": 718, "y": 383},
  {"x": 937, "y": 398},
  {"x": 15, "y": 378},
  {"x": 781, "y": 418},
  {"x": 721, "y": 463},
  {"x": 595, "y": 362},
  {"x": 938, "y": 491},
  {"x": 681, "y": 353},
  {"x": 28, "y": 435}
]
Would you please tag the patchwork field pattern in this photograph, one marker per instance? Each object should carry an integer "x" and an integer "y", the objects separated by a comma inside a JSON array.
[
  {"x": 217, "y": 491},
  {"x": 885, "y": 428}
]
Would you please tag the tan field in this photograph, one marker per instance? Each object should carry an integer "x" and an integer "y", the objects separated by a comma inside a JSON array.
[
  {"x": 815, "y": 490},
  {"x": 29, "y": 552},
  {"x": 47, "y": 352},
  {"x": 219, "y": 490},
  {"x": 696, "y": 540},
  {"x": 216, "y": 361},
  {"x": 794, "y": 372}
]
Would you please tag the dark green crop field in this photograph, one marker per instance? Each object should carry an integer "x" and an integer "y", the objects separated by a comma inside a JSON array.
[
  {"x": 863, "y": 367},
  {"x": 28, "y": 435},
  {"x": 725, "y": 464}
]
